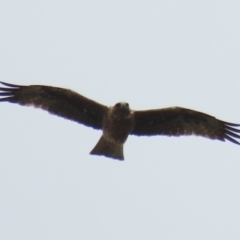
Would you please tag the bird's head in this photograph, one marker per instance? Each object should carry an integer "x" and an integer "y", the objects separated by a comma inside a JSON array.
[{"x": 121, "y": 109}]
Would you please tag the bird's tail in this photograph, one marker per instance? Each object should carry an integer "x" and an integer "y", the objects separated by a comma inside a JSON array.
[{"x": 108, "y": 149}]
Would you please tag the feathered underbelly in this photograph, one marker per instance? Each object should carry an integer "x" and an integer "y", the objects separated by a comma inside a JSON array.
[{"x": 117, "y": 130}]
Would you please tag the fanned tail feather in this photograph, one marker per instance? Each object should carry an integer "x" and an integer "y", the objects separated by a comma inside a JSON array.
[{"x": 108, "y": 149}]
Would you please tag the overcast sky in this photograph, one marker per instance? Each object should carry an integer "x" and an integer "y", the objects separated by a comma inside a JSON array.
[{"x": 152, "y": 54}]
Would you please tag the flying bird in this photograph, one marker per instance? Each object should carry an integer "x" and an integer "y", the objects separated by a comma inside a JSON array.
[{"x": 118, "y": 121}]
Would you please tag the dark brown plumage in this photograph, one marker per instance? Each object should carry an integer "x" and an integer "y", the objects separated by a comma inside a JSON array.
[{"x": 119, "y": 121}]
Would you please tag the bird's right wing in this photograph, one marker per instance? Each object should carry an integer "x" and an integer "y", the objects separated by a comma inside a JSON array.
[
  {"x": 59, "y": 101},
  {"x": 177, "y": 121}
]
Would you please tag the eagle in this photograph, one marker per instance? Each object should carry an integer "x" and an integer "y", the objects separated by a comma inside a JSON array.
[{"x": 118, "y": 121}]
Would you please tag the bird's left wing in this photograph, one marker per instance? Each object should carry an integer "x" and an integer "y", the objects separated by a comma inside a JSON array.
[
  {"x": 179, "y": 121},
  {"x": 58, "y": 101}
]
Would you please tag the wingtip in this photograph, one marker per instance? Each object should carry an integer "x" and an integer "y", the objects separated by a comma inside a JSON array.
[
  {"x": 232, "y": 140},
  {"x": 9, "y": 84},
  {"x": 228, "y": 124},
  {"x": 231, "y": 132}
]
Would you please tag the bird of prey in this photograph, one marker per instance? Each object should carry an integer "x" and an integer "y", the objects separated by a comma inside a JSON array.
[{"x": 118, "y": 121}]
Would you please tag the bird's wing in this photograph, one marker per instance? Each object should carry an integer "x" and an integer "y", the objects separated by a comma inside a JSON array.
[
  {"x": 59, "y": 101},
  {"x": 179, "y": 121}
]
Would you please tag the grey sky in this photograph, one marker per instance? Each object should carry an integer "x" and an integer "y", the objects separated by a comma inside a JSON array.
[{"x": 152, "y": 54}]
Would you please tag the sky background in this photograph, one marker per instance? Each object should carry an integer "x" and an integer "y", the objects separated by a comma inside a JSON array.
[{"x": 152, "y": 54}]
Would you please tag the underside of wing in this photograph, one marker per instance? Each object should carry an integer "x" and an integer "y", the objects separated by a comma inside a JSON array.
[
  {"x": 58, "y": 101},
  {"x": 177, "y": 121}
]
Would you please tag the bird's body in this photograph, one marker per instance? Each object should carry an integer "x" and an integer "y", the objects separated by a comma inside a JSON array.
[
  {"x": 119, "y": 121},
  {"x": 117, "y": 124}
]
